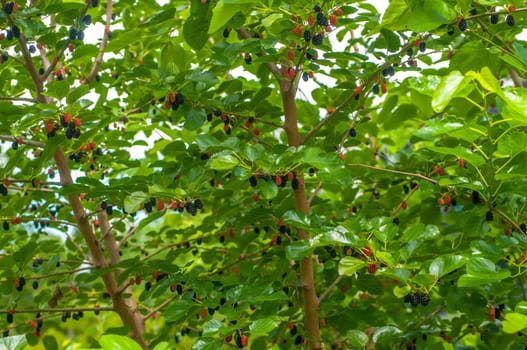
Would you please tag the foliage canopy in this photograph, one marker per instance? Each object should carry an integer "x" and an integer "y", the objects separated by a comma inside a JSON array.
[{"x": 269, "y": 175}]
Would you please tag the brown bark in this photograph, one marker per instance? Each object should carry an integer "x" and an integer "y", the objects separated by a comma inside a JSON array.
[
  {"x": 125, "y": 307},
  {"x": 311, "y": 319}
]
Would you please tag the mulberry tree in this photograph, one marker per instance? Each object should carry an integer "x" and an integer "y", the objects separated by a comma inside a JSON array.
[{"x": 216, "y": 174}]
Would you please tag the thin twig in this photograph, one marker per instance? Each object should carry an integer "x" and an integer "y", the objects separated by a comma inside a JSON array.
[
  {"x": 44, "y": 183},
  {"x": 130, "y": 233},
  {"x": 31, "y": 219},
  {"x": 63, "y": 309},
  {"x": 28, "y": 61},
  {"x": 241, "y": 258},
  {"x": 79, "y": 248},
  {"x": 314, "y": 193},
  {"x": 329, "y": 288},
  {"x": 509, "y": 220},
  {"x": 24, "y": 141},
  {"x": 518, "y": 81},
  {"x": 23, "y": 99},
  {"x": 98, "y": 60},
  {"x": 270, "y": 65},
  {"x": 162, "y": 305},
  {"x": 51, "y": 65},
  {"x": 31, "y": 189},
  {"x": 76, "y": 262},
  {"x": 420, "y": 176},
  {"x": 256, "y": 137},
  {"x": 16, "y": 59},
  {"x": 69, "y": 272}
]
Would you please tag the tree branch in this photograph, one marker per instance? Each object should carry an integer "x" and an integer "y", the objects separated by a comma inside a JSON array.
[
  {"x": 508, "y": 220},
  {"x": 518, "y": 81},
  {"x": 315, "y": 192},
  {"x": 75, "y": 262},
  {"x": 329, "y": 288},
  {"x": 311, "y": 317},
  {"x": 242, "y": 32},
  {"x": 31, "y": 189},
  {"x": 232, "y": 263},
  {"x": 57, "y": 310},
  {"x": 109, "y": 240},
  {"x": 28, "y": 219},
  {"x": 422, "y": 177},
  {"x": 69, "y": 272},
  {"x": 24, "y": 141},
  {"x": 45, "y": 183},
  {"x": 51, "y": 65},
  {"x": 162, "y": 305},
  {"x": 98, "y": 60},
  {"x": 22, "y": 99},
  {"x": 130, "y": 233},
  {"x": 28, "y": 62},
  {"x": 125, "y": 307},
  {"x": 329, "y": 117}
]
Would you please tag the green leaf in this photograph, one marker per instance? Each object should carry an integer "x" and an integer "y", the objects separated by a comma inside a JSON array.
[
  {"x": 298, "y": 250},
  {"x": 173, "y": 58},
  {"x": 514, "y": 322},
  {"x": 212, "y": 327},
  {"x": 420, "y": 232},
  {"x": 58, "y": 89},
  {"x": 511, "y": 144},
  {"x": 385, "y": 333},
  {"x": 480, "y": 265},
  {"x": 159, "y": 17},
  {"x": 335, "y": 235},
  {"x": 515, "y": 102},
  {"x": 178, "y": 310},
  {"x": 386, "y": 232},
  {"x": 162, "y": 346},
  {"x": 77, "y": 93},
  {"x": 472, "y": 57},
  {"x": 400, "y": 292},
  {"x": 262, "y": 326},
  {"x": 194, "y": 119},
  {"x": 124, "y": 39},
  {"x": 392, "y": 40},
  {"x": 133, "y": 202},
  {"x": 223, "y": 161},
  {"x": 224, "y": 11},
  {"x": 396, "y": 15},
  {"x": 357, "y": 339},
  {"x": 196, "y": 27},
  {"x": 435, "y": 128},
  {"x": 50, "y": 343},
  {"x": 487, "y": 80},
  {"x": 462, "y": 153},
  {"x": 521, "y": 307},
  {"x": 206, "y": 141},
  {"x": 269, "y": 189},
  {"x": 476, "y": 279},
  {"x": 296, "y": 218},
  {"x": 443, "y": 265},
  {"x": 448, "y": 88},
  {"x": 318, "y": 158},
  {"x": 522, "y": 53},
  {"x": 15, "y": 342},
  {"x": 422, "y": 16},
  {"x": 349, "y": 265},
  {"x": 118, "y": 342}
]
